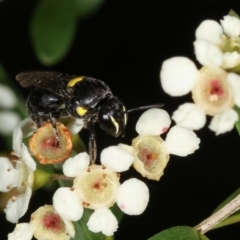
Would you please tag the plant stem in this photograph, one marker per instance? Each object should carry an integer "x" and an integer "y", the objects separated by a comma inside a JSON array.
[
  {"x": 60, "y": 177},
  {"x": 220, "y": 215}
]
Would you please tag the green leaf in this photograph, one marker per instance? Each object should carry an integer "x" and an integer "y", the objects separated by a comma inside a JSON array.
[
  {"x": 233, "y": 14},
  {"x": 227, "y": 200},
  {"x": 52, "y": 29},
  {"x": 54, "y": 25},
  {"x": 117, "y": 212},
  {"x": 237, "y": 124},
  {"x": 179, "y": 233},
  {"x": 88, "y": 7}
]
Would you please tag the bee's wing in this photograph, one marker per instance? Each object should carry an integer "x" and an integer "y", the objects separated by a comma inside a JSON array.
[{"x": 54, "y": 82}]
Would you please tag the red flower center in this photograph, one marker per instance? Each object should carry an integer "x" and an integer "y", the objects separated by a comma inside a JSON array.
[
  {"x": 53, "y": 221},
  {"x": 216, "y": 88}
]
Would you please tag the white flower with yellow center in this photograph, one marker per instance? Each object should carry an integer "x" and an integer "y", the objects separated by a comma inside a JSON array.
[
  {"x": 19, "y": 175},
  {"x": 97, "y": 187},
  {"x": 45, "y": 223},
  {"x": 150, "y": 151},
  {"x": 214, "y": 92},
  {"x": 218, "y": 45}
]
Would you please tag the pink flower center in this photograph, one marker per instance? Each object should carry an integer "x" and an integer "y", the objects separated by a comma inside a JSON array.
[
  {"x": 148, "y": 157},
  {"x": 216, "y": 90},
  {"x": 99, "y": 186},
  {"x": 53, "y": 221},
  {"x": 49, "y": 143}
]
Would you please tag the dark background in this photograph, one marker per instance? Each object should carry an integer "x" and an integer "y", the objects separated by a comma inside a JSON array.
[{"x": 124, "y": 44}]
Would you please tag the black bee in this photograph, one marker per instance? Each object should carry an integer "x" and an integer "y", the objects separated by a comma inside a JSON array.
[{"x": 57, "y": 95}]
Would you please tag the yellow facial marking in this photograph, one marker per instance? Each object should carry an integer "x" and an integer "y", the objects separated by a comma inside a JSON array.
[
  {"x": 73, "y": 81},
  {"x": 81, "y": 111},
  {"x": 115, "y": 124}
]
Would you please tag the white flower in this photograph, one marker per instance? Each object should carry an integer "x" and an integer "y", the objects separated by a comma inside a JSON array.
[
  {"x": 7, "y": 97},
  {"x": 102, "y": 220},
  {"x": 151, "y": 152},
  {"x": 214, "y": 92},
  {"x": 45, "y": 223},
  {"x": 19, "y": 176},
  {"x": 97, "y": 187},
  {"x": 8, "y": 121},
  {"x": 218, "y": 45}
]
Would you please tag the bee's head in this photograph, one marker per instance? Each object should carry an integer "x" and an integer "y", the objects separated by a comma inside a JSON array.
[{"x": 112, "y": 117}]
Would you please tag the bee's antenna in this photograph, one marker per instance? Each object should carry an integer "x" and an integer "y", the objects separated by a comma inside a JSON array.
[{"x": 158, "y": 105}]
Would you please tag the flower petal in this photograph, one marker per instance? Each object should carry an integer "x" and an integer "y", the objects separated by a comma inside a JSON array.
[
  {"x": 178, "y": 76},
  {"x": 22, "y": 231},
  {"x": 17, "y": 141},
  {"x": 67, "y": 203},
  {"x": 223, "y": 122},
  {"x": 8, "y": 121},
  {"x": 133, "y": 196},
  {"x": 208, "y": 54},
  {"x": 7, "y": 97},
  {"x": 17, "y": 206},
  {"x": 230, "y": 59},
  {"x": 116, "y": 158},
  {"x": 27, "y": 159},
  {"x": 209, "y": 30},
  {"x": 102, "y": 220},
  {"x": 234, "y": 80},
  {"x": 9, "y": 176},
  {"x": 154, "y": 121},
  {"x": 190, "y": 116},
  {"x": 73, "y": 166},
  {"x": 181, "y": 141},
  {"x": 231, "y": 26},
  {"x": 69, "y": 227},
  {"x": 75, "y": 126},
  {"x": 28, "y": 127}
]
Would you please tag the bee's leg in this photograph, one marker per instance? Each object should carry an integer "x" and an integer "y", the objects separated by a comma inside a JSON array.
[
  {"x": 92, "y": 143},
  {"x": 54, "y": 125},
  {"x": 52, "y": 118}
]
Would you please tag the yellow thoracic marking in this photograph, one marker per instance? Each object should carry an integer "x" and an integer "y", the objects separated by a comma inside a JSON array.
[
  {"x": 73, "y": 81},
  {"x": 115, "y": 124},
  {"x": 81, "y": 111}
]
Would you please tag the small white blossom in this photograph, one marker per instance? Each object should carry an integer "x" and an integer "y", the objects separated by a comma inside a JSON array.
[
  {"x": 95, "y": 187},
  {"x": 181, "y": 141},
  {"x": 103, "y": 220},
  {"x": 178, "y": 75},
  {"x": 151, "y": 152},
  {"x": 215, "y": 44},
  {"x": 8, "y": 121},
  {"x": 20, "y": 176},
  {"x": 45, "y": 223},
  {"x": 75, "y": 125},
  {"x": 77, "y": 164},
  {"x": 7, "y": 97},
  {"x": 231, "y": 26},
  {"x": 189, "y": 115},
  {"x": 153, "y": 122},
  {"x": 222, "y": 123},
  {"x": 116, "y": 158},
  {"x": 215, "y": 92},
  {"x": 22, "y": 231},
  {"x": 126, "y": 197}
]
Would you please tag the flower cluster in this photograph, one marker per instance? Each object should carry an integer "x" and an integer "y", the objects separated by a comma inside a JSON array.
[
  {"x": 95, "y": 187},
  {"x": 18, "y": 174},
  {"x": 215, "y": 87}
]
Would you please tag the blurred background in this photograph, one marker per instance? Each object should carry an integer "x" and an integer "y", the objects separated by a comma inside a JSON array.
[{"x": 124, "y": 44}]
